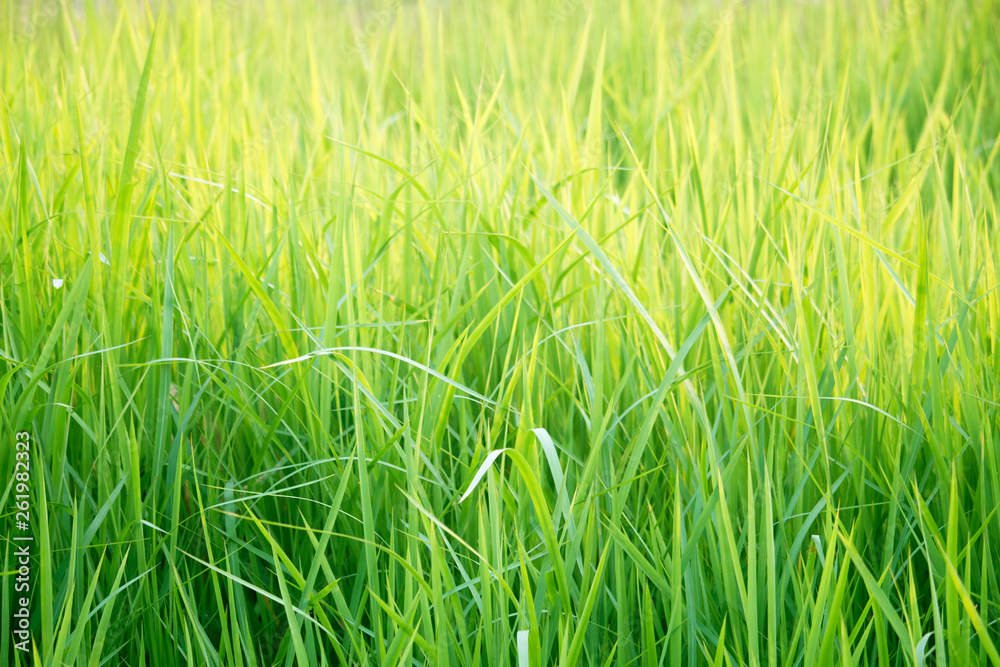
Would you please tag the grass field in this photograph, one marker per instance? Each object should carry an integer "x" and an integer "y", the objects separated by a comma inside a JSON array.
[{"x": 588, "y": 332}]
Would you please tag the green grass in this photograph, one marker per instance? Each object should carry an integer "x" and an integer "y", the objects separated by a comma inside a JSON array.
[{"x": 598, "y": 332}]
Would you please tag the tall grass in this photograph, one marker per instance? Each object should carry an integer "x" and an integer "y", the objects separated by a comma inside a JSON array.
[{"x": 598, "y": 332}]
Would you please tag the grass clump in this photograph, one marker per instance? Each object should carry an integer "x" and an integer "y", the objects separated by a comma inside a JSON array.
[{"x": 602, "y": 332}]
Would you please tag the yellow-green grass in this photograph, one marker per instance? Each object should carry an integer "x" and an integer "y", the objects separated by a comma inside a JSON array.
[{"x": 598, "y": 332}]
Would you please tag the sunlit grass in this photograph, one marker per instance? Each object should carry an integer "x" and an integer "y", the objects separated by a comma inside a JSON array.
[{"x": 600, "y": 332}]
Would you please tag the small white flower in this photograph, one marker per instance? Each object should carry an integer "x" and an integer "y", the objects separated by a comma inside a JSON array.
[
  {"x": 57, "y": 282},
  {"x": 617, "y": 201}
]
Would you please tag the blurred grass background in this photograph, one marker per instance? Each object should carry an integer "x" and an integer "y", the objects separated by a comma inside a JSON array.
[{"x": 280, "y": 280}]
